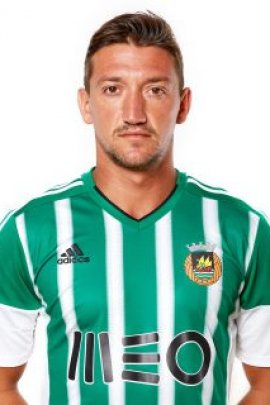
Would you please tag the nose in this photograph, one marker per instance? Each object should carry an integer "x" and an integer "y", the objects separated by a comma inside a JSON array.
[{"x": 134, "y": 108}]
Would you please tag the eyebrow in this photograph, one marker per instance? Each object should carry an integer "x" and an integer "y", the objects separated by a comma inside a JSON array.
[{"x": 120, "y": 79}]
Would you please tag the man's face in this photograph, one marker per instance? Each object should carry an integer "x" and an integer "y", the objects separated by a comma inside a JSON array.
[{"x": 134, "y": 104}]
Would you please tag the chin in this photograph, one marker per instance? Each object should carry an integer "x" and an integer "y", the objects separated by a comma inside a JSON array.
[{"x": 136, "y": 165}]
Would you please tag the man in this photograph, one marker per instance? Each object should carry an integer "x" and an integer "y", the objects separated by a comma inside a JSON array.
[{"x": 149, "y": 278}]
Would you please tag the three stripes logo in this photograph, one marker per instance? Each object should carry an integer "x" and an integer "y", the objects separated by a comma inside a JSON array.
[{"x": 73, "y": 255}]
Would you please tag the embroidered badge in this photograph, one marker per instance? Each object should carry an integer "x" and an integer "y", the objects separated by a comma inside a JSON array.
[{"x": 202, "y": 265}]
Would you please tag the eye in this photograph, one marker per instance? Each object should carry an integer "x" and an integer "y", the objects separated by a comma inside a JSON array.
[
  {"x": 157, "y": 91},
  {"x": 111, "y": 90}
]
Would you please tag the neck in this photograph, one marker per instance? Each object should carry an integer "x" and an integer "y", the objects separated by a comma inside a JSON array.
[{"x": 136, "y": 193}]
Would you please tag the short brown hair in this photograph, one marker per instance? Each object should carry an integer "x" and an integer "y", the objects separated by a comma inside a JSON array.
[{"x": 141, "y": 29}]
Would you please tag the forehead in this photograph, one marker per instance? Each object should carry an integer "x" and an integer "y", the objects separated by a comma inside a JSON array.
[{"x": 125, "y": 60}]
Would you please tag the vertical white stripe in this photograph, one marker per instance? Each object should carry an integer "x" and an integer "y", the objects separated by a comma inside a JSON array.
[
  {"x": 115, "y": 291},
  {"x": 65, "y": 287},
  {"x": 232, "y": 330},
  {"x": 21, "y": 228},
  {"x": 165, "y": 291},
  {"x": 42, "y": 338},
  {"x": 212, "y": 235},
  {"x": 253, "y": 227}
]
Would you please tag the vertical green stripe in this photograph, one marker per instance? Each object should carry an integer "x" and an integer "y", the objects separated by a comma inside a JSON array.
[
  {"x": 140, "y": 300},
  {"x": 190, "y": 298},
  {"x": 90, "y": 295},
  {"x": 234, "y": 236}
]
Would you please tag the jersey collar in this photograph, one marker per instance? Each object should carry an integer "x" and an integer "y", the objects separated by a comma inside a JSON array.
[{"x": 121, "y": 215}]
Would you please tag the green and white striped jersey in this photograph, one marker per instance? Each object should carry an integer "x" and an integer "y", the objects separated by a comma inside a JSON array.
[{"x": 148, "y": 311}]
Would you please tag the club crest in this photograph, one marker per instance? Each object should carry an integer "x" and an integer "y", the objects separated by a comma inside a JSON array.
[{"x": 202, "y": 265}]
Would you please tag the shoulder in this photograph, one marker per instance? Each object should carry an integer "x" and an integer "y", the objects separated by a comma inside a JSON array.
[
  {"x": 70, "y": 189},
  {"x": 224, "y": 199}
]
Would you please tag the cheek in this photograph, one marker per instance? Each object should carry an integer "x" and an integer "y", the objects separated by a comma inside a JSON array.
[
  {"x": 104, "y": 114},
  {"x": 163, "y": 116}
]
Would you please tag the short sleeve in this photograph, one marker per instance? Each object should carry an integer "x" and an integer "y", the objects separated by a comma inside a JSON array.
[
  {"x": 19, "y": 305},
  {"x": 253, "y": 323}
]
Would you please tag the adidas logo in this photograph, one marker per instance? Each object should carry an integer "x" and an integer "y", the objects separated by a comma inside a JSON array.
[{"x": 73, "y": 255}]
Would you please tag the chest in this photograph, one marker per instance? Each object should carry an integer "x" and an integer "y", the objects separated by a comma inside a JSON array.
[{"x": 103, "y": 268}]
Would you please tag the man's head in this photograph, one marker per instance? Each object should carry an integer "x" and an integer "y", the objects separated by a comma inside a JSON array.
[{"x": 134, "y": 91}]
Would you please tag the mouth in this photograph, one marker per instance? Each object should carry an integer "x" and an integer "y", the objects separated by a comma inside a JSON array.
[{"x": 134, "y": 135}]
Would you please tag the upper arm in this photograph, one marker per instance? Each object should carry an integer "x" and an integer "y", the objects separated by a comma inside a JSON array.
[
  {"x": 253, "y": 320},
  {"x": 9, "y": 376},
  {"x": 258, "y": 377},
  {"x": 19, "y": 306}
]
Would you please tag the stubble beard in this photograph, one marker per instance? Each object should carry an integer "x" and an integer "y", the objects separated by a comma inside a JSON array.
[{"x": 139, "y": 163}]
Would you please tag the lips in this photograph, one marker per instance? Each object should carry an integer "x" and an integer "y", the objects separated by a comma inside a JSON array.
[{"x": 134, "y": 134}]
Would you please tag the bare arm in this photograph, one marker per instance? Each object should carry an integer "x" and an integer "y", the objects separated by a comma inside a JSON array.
[
  {"x": 9, "y": 377},
  {"x": 259, "y": 379}
]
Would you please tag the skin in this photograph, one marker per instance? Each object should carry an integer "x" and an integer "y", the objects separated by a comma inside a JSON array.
[
  {"x": 258, "y": 378},
  {"x": 9, "y": 377},
  {"x": 134, "y": 104}
]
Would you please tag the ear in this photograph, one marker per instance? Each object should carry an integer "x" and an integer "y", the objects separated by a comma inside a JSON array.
[
  {"x": 185, "y": 103},
  {"x": 84, "y": 105}
]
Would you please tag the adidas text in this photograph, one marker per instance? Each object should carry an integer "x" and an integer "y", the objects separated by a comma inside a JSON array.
[{"x": 67, "y": 260}]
